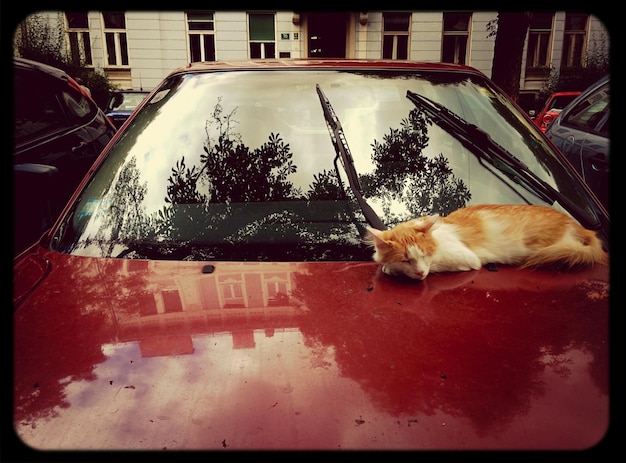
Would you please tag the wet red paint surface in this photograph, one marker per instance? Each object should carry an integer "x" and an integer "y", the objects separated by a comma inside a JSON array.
[{"x": 130, "y": 354}]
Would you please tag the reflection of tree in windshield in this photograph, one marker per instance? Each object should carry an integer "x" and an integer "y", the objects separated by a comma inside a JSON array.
[
  {"x": 243, "y": 196},
  {"x": 239, "y": 203},
  {"x": 181, "y": 185},
  {"x": 125, "y": 219},
  {"x": 325, "y": 186},
  {"x": 403, "y": 173},
  {"x": 239, "y": 174}
]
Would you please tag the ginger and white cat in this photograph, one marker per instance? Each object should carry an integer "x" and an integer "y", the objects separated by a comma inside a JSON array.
[{"x": 521, "y": 235}]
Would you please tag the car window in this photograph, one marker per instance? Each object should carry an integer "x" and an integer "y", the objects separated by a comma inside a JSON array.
[
  {"x": 561, "y": 101},
  {"x": 44, "y": 106},
  {"x": 79, "y": 107},
  {"x": 125, "y": 101},
  {"x": 241, "y": 165},
  {"x": 588, "y": 113},
  {"x": 36, "y": 108}
]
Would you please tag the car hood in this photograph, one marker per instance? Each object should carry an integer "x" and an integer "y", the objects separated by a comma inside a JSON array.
[{"x": 132, "y": 354}]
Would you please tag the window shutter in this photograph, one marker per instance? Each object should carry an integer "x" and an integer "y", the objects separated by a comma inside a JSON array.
[{"x": 262, "y": 27}]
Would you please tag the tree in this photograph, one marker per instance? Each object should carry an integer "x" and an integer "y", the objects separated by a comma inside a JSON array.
[
  {"x": 40, "y": 40},
  {"x": 507, "y": 58},
  {"x": 596, "y": 65},
  {"x": 403, "y": 173},
  {"x": 237, "y": 173},
  {"x": 37, "y": 40}
]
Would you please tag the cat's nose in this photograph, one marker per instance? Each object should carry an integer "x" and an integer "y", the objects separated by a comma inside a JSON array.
[{"x": 420, "y": 275}]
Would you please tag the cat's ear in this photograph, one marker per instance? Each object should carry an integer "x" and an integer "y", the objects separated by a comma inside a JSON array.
[
  {"x": 373, "y": 237},
  {"x": 424, "y": 223}
]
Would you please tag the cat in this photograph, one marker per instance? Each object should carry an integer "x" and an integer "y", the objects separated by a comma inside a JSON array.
[{"x": 470, "y": 237}]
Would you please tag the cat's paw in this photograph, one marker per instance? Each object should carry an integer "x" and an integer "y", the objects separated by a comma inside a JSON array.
[
  {"x": 472, "y": 262},
  {"x": 475, "y": 264}
]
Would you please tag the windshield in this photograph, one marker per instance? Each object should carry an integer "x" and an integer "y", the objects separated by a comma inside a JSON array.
[
  {"x": 125, "y": 101},
  {"x": 561, "y": 101},
  {"x": 240, "y": 165}
]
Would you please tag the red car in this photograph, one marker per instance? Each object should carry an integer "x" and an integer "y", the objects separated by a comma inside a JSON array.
[
  {"x": 554, "y": 105},
  {"x": 209, "y": 286}
]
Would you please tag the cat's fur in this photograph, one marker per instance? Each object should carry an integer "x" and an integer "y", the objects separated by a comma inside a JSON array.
[{"x": 520, "y": 235}]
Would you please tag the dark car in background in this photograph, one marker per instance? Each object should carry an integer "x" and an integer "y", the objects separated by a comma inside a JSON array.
[
  {"x": 582, "y": 132},
  {"x": 122, "y": 103},
  {"x": 211, "y": 286},
  {"x": 58, "y": 131}
]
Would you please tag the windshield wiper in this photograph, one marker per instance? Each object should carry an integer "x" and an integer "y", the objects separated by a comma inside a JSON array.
[
  {"x": 486, "y": 149},
  {"x": 343, "y": 152}
]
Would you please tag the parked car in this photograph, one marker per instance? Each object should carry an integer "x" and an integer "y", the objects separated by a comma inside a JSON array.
[
  {"x": 553, "y": 106},
  {"x": 210, "y": 285},
  {"x": 58, "y": 131},
  {"x": 582, "y": 132},
  {"x": 122, "y": 103}
]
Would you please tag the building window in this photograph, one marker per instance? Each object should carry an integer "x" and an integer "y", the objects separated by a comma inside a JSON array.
[
  {"x": 201, "y": 29},
  {"x": 147, "y": 305},
  {"x": 115, "y": 38},
  {"x": 574, "y": 38},
  {"x": 277, "y": 288},
  {"x": 232, "y": 292},
  {"x": 539, "y": 34},
  {"x": 78, "y": 38},
  {"x": 455, "y": 37},
  {"x": 171, "y": 300},
  {"x": 396, "y": 35},
  {"x": 262, "y": 35}
]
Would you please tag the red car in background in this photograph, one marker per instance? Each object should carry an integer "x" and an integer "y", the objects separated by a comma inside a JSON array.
[
  {"x": 209, "y": 285},
  {"x": 554, "y": 105}
]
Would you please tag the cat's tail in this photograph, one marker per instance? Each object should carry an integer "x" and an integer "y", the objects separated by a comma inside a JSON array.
[{"x": 580, "y": 248}]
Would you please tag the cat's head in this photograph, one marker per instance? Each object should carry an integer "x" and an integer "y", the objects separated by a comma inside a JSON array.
[{"x": 406, "y": 249}]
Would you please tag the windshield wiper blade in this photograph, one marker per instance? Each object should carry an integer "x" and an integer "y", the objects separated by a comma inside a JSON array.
[
  {"x": 486, "y": 149},
  {"x": 343, "y": 152}
]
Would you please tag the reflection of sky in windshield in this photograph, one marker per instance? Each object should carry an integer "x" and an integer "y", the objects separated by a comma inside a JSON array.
[
  {"x": 266, "y": 103},
  {"x": 287, "y": 104},
  {"x": 172, "y": 134}
]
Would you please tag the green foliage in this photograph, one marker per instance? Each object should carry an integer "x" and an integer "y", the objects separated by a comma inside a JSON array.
[
  {"x": 404, "y": 174},
  {"x": 238, "y": 202},
  {"x": 325, "y": 187},
  {"x": 98, "y": 83},
  {"x": 231, "y": 186},
  {"x": 238, "y": 174},
  {"x": 119, "y": 220},
  {"x": 39, "y": 40},
  {"x": 182, "y": 185},
  {"x": 597, "y": 64}
]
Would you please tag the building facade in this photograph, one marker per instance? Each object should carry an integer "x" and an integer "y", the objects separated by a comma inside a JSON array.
[{"x": 137, "y": 49}]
